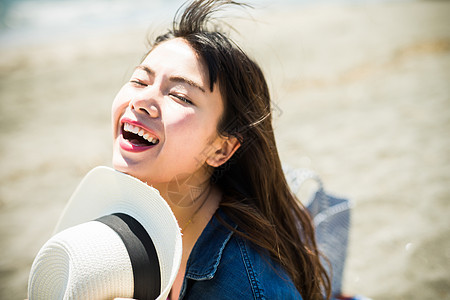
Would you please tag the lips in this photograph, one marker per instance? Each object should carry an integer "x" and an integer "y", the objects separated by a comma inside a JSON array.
[{"x": 135, "y": 138}]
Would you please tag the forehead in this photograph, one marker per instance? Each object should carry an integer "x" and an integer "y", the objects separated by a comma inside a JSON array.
[{"x": 177, "y": 57}]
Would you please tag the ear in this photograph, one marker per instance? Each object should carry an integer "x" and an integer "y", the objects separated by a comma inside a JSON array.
[{"x": 224, "y": 149}]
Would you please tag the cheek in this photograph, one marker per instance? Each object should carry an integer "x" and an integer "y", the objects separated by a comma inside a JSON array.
[
  {"x": 179, "y": 121},
  {"x": 119, "y": 104},
  {"x": 187, "y": 130}
]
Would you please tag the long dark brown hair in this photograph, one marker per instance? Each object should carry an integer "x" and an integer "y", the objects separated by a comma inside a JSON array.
[{"x": 256, "y": 195}]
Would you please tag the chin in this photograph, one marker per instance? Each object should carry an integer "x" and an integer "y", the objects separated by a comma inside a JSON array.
[
  {"x": 120, "y": 164},
  {"x": 133, "y": 169}
]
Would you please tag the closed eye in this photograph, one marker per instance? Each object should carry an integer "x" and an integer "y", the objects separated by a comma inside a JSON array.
[
  {"x": 182, "y": 98},
  {"x": 138, "y": 83}
]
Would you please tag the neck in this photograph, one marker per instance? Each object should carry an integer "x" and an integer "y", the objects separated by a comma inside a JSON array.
[
  {"x": 192, "y": 214},
  {"x": 185, "y": 198}
]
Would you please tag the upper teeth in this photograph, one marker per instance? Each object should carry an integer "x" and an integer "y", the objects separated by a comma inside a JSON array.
[{"x": 139, "y": 131}]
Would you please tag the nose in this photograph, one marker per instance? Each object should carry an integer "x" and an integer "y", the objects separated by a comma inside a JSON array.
[{"x": 145, "y": 104}]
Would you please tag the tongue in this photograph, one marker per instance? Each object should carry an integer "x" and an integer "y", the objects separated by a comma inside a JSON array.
[{"x": 139, "y": 142}]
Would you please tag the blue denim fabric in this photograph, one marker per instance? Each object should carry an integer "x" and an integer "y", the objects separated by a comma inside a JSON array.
[{"x": 224, "y": 266}]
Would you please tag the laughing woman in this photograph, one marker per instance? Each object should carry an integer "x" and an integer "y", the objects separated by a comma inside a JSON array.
[{"x": 194, "y": 121}]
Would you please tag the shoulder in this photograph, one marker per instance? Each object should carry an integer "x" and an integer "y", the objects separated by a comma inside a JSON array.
[
  {"x": 226, "y": 266},
  {"x": 259, "y": 275}
]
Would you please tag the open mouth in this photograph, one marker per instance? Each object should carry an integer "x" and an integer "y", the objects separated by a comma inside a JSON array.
[{"x": 138, "y": 136}]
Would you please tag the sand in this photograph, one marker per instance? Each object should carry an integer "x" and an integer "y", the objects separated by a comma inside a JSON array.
[{"x": 362, "y": 96}]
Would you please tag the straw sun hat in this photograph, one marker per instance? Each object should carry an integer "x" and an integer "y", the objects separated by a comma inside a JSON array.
[{"x": 117, "y": 238}]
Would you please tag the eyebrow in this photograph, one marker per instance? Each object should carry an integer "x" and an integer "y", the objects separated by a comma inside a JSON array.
[{"x": 176, "y": 78}]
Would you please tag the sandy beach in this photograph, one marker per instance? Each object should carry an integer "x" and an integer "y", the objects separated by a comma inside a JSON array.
[{"x": 362, "y": 97}]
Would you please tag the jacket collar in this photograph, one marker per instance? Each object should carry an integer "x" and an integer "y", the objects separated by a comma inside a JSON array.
[{"x": 207, "y": 252}]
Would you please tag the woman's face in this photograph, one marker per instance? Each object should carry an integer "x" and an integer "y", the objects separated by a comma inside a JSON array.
[{"x": 165, "y": 118}]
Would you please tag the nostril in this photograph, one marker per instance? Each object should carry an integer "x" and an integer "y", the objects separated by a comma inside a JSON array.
[
  {"x": 144, "y": 107},
  {"x": 144, "y": 110}
]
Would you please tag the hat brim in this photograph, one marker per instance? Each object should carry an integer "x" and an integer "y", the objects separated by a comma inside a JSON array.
[{"x": 104, "y": 191}]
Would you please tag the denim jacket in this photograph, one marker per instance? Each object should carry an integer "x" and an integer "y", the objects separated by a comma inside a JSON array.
[{"x": 223, "y": 265}]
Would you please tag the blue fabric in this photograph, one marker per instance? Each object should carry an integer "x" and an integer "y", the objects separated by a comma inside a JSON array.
[
  {"x": 224, "y": 266},
  {"x": 332, "y": 220},
  {"x": 331, "y": 217}
]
